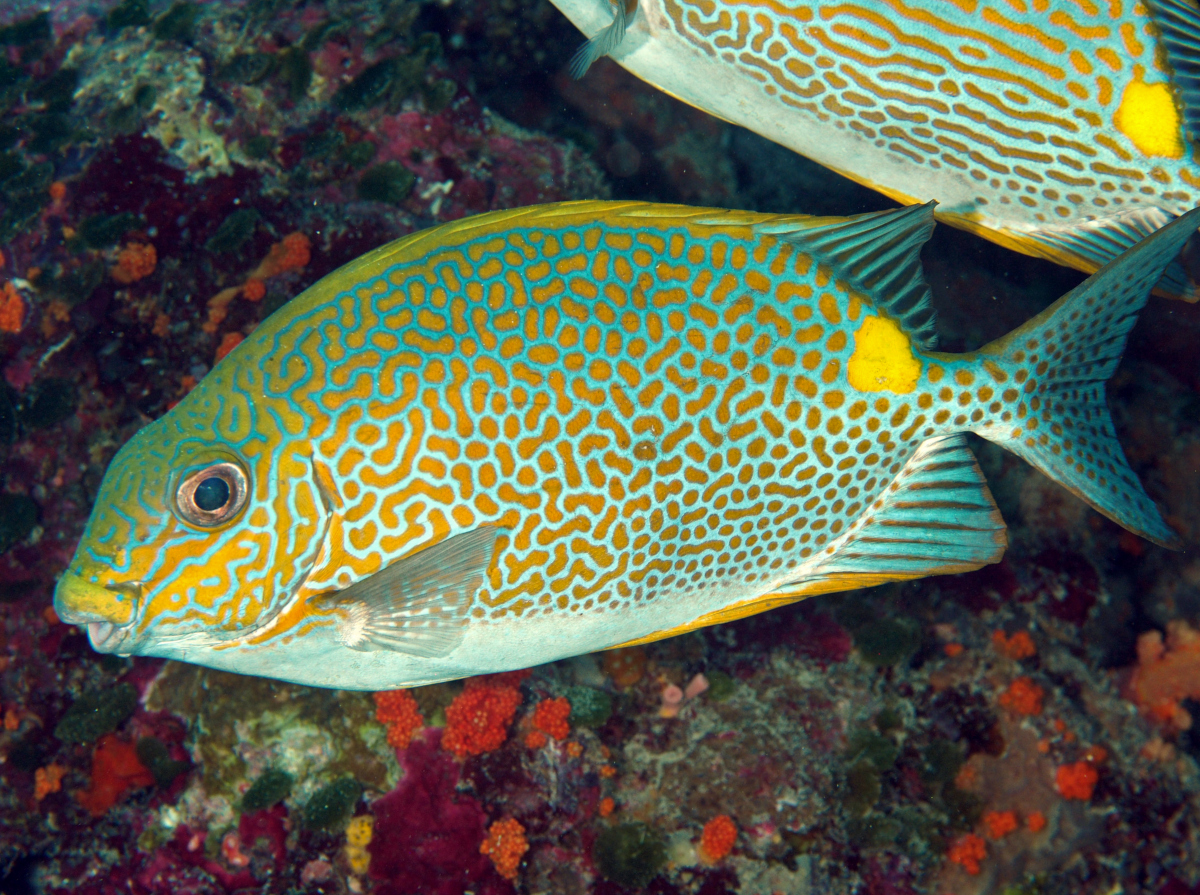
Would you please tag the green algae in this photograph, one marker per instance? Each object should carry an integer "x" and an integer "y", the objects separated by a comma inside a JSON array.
[
  {"x": 888, "y": 720},
  {"x": 27, "y": 754},
  {"x": 319, "y": 33},
  {"x": 439, "y": 93},
  {"x": 866, "y": 745},
  {"x": 103, "y": 230},
  {"x": 33, "y": 179},
  {"x": 129, "y": 14},
  {"x": 48, "y": 403},
  {"x": 720, "y": 686},
  {"x": 942, "y": 760},
  {"x": 274, "y": 300},
  {"x": 323, "y": 143},
  {"x": 331, "y": 806},
  {"x": 96, "y": 713},
  {"x": 630, "y": 854},
  {"x": 247, "y": 68},
  {"x": 8, "y": 416},
  {"x": 25, "y": 193},
  {"x": 259, "y": 147},
  {"x": 22, "y": 210},
  {"x": 177, "y": 23},
  {"x": 371, "y": 87},
  {"x": 154, "y": 755},
  {"x": 57, "y": 92},
  {"x": 863, "y": 788},
  {"x": 296, "y": 71},
  {"x": 18, "y": 516},
  {"x": 127, "y": 117},
  {"x": 50, "y": 131},
  {"x": 589, "y": 707},
  {"x": 391, "y": 81},
  {"x": 233, "y": 232},
  {"x": 874, "y": 831},
  {"x": 10, "y": 166},
  {"x": 887, "y": 641},
  {"x": 1031, "y": 885},
  {"x": 272, "y": 787},
  {"x": 75, "y": 284},
  {"x": 359, "y": 153},
  {"x": 389, "y": 182},
  {"x": 27, "y": 31},
  {"x": 962, "y": 809}
]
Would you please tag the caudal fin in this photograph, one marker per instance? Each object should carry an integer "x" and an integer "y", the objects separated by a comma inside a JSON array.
[{"x": 1051, "y": 374}]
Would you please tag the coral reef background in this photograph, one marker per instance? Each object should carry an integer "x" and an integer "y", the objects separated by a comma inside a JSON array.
[{"x": 171, "y": 173}]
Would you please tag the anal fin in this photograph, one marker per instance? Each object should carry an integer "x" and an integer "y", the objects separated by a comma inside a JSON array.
[
  {"x": 936, "y": 518},
  {"x": 1091, "y": 245},
  {"x": 418, "y": 605}
]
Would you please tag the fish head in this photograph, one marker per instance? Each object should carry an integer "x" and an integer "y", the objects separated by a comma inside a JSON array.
[{"x": 182, "y": 551}]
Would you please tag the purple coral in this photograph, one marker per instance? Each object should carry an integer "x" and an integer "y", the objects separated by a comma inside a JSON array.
[{"x": 427, "y": 836}]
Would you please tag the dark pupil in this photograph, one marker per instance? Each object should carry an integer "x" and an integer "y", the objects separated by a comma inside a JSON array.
[{"x": 212, "y": 494}]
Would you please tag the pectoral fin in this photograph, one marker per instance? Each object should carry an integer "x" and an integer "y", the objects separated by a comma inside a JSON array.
[
  {"x": 418, "y": 605},
  {"x": 603, "y": 41}
]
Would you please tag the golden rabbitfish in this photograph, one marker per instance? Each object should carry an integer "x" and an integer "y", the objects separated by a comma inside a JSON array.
[
  {"x": 1063, "y": 130},
  {"x": 542, "y": 432}
]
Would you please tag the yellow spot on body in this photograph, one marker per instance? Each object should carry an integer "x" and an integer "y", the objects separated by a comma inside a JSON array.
[
  {"x": 1148, "y": 117},
  {"x": 883, "y": 358}
]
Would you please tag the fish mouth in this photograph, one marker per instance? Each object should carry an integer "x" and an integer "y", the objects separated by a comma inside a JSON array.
[
  {"x": 106, "y": 637},
  {"x": 108, "y": 612}
]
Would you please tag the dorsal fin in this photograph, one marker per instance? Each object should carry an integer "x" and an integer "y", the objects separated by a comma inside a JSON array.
[
  {"x": 1179, "y": 24},
  {"x": 879, "y": 254}
]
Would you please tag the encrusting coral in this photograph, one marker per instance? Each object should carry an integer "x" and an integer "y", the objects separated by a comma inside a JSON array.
[
  {"x": 1166, "y": 674},
  {"x": 505, "y": 845}
]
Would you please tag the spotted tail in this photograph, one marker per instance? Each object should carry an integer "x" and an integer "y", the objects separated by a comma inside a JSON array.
[{"x": 1052, "y": 372}]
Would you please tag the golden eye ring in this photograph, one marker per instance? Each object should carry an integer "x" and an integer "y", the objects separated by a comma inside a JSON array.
[{"x": 212, "y": 496}]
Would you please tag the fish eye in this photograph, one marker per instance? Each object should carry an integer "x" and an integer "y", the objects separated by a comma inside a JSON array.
[{"x": 211, "y": 496}]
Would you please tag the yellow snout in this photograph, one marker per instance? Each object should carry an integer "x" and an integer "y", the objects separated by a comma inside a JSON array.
[{"x": 79, "y": 602}]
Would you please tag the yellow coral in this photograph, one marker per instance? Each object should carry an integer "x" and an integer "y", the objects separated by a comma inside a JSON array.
[
  {"x": 359, "y": 832},
  {"x": 358, "y": 837},
  {"x": 359, "y": 859}
]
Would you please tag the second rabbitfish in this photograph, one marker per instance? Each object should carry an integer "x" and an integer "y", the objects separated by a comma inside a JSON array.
[{"x": 1065, "y": 131}]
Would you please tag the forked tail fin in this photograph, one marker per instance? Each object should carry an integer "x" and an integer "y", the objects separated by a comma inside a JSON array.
[{"x": 1051, "y": 374}]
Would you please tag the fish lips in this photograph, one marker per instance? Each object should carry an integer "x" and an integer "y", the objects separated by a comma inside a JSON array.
[{"x": 108, "y": 612}]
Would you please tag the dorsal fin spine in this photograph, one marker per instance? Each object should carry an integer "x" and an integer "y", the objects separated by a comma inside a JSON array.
[{"x": 878, "y": 254}]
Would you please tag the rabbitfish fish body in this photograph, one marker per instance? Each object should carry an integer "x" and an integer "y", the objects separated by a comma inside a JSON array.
[
  {"x": 538, "y": 433},
  {"x": 1062, "y": 130}
]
